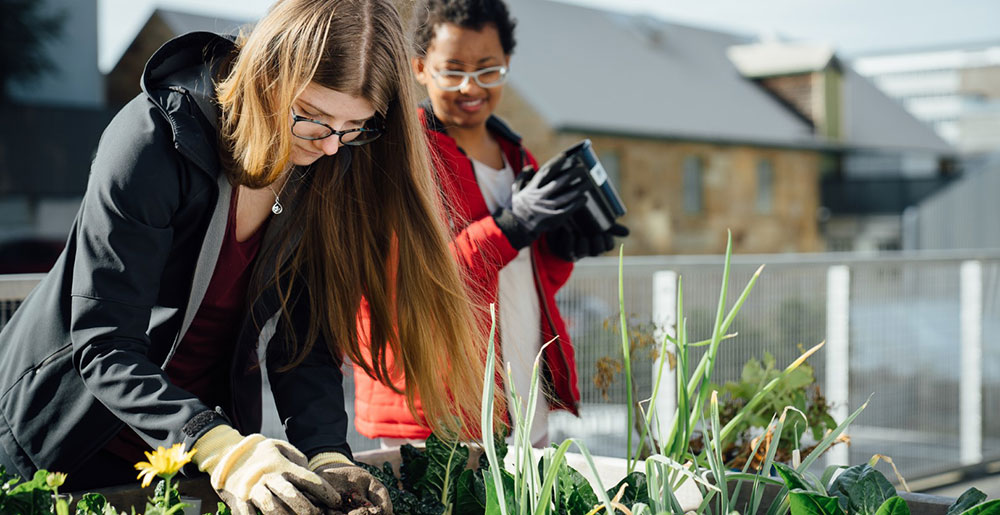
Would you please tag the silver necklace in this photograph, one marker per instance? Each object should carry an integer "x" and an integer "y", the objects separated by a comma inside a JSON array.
[{"x": 277, "y": 208}]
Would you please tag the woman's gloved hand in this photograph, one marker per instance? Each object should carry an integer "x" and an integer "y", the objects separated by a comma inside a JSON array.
[
  {"x": 569, "y": 245},
  {"x": 360, "y": 492},
  {"x": 541, "y": 201},
  {"x": 254, "y": 472}
]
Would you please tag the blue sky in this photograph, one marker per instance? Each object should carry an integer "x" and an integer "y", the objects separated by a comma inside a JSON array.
[{"x": 853, "y": 26}]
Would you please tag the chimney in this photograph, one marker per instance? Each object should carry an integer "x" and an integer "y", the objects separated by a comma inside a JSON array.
[{"x": 808, "y": 79}]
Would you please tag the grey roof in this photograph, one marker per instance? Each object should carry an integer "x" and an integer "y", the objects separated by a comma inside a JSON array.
[
  {"x": 588, "y": 69},
  {"x": 182, "y": 22},
  {"x": 873, "y": 120},
  {"x": 593, "y": 70}
]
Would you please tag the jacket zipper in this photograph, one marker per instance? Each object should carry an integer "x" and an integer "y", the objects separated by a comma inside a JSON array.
[
  {"x": 552, "y": 327},
  {"x": 541, "y": 295},
  {"x": 543, "y": 302}
]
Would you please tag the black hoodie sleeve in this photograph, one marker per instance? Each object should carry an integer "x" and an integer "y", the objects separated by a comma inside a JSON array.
[
  {"x": 309, "y": 396},
  {"x": 125, "y": 237}
]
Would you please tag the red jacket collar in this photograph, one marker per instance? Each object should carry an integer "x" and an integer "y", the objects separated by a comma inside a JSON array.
[{"x": 510, "y": 141}]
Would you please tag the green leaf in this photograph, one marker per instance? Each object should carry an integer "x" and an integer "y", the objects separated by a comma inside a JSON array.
[
  {"x": 445, "y": 462},
  {"x": 470, "y": 493},
  {"x": 36, "y": 483},
  {"x": 160, "y": 491},
  {"x": 861, "y": 490},
  {"x": 33, "y": 496},
  {"x": 579, "y": 495},
  {"x": 808, "y": 503},
  {"x": 793, "y": 480},
  {"x": 94, "y": 504},
  {"x": 404, "y": 502},
  {"x": 500, "y": 445},
  {"x": 968, "y": 499},
  {"x": 987, "y": 508},
  {"x": 492, "y": 502},
  {"x": 413, "y": 466},
  {"x": 893, "y": 506},
  {"x": 384, "y": 474},
  {"x": 222, "y": 509},
  {"x": 574, "y": 495},
  {"x": 636, "y": 491},
  {"x": 91, "y": 503}
]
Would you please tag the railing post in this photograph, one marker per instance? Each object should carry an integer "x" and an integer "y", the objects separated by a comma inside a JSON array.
[
  {"x": 665, "y": 320},
  {"x": 971, "y": 372},
  {"x": 838, "y": 294}
]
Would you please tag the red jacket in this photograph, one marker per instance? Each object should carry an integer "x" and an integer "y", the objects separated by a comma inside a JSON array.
[{"x": 482, "y": 249}]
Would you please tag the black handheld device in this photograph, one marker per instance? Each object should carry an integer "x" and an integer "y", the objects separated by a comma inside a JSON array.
[{"x": 603, "y": 203}]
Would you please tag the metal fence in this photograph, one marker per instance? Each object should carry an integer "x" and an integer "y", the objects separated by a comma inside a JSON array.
[
  {"x": 962, "y": 216},
  {"x": 918, "y": 332}
]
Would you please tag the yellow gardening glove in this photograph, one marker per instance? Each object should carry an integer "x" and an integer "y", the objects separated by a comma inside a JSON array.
[
  {"x": 253, "y": 473},
  {"x": 359, "y": 491}
]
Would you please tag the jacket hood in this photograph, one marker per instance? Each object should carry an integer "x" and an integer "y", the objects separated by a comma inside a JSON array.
[{"x": 180, "y": 79}]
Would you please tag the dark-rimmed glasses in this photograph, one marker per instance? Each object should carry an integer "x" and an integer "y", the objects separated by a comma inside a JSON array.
[
  {"x": 312, "y": 130},
  {"x": 454, "y": 80}
]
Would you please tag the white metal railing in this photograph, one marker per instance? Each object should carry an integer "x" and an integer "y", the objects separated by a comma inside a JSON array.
[{"x": 920, "y": 331}]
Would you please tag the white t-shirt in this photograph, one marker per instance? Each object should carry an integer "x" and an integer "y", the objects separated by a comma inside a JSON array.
[{"x": 519, "y": 313}]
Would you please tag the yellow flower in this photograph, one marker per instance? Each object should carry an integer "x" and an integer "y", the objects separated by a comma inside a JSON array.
[
  {"x": 163, "y": 463},
  {"x": 55, "y": 479}
]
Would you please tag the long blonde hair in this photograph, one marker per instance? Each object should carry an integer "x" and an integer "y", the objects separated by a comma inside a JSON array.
[{"x": 375, "y": 233}]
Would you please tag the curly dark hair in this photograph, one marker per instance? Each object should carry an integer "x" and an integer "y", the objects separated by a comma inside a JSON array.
[{"x": 469, "y": 14}]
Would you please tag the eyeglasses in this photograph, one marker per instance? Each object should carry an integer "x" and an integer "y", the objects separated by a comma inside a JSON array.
[
  {"x": 312, "y": 130},
  {"x": 454, "y": 80}
]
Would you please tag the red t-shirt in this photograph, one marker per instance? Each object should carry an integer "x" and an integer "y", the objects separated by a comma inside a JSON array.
[{"x": 201, "y": 364}]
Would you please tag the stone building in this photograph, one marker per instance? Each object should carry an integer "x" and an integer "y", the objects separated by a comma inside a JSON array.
[
  {"x": 701, "y": 131},
  {"x": 705, "y": 131}
]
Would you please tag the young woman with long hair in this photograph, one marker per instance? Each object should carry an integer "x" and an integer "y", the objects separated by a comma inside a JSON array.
[{"x": 238, "y": 213}]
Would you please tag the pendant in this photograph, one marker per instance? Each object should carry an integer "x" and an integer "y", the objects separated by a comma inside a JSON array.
[{"x": 276, "y": 208}]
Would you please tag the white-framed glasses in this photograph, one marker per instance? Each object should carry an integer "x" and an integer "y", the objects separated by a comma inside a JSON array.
[{"x": 454, "y": 80}]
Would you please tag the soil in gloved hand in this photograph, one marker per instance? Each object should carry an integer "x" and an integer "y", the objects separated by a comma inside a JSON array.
[{"x": 354, "y": 504}]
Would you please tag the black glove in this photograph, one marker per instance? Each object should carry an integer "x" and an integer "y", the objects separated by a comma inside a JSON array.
[
  {"x": 570, "y": 245},
  {"x": 542, "y": 200}
]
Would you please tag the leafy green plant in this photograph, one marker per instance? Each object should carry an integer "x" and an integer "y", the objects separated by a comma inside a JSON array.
[
  {"x": 862, "y": 490},
  {"x": 27, "y": 497},
  {"x": 41, "y": 494},
  {"x": 672, "y": 463},
  {"x": 435, "y": 480},
  {"x": 810, "y": 418},
  {"x": 549, "y": 486}
]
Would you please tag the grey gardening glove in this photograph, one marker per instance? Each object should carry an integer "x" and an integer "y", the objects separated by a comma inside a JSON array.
[
  {"x": 360, "y": 492},
  {"x": 569, "y": 245},
  {"x": 542, "y": 201}
]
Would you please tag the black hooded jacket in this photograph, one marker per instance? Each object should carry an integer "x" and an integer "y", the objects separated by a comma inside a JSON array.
[{"x": 85, "y": 352}]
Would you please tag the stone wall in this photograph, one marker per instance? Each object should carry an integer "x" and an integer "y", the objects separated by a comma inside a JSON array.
[{"x": 651, "y": 185}]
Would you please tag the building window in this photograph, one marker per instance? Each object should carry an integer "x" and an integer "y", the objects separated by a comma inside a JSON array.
[
  {"x": 693, "y": 187},
  {"x": 765, "y": 186}
]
